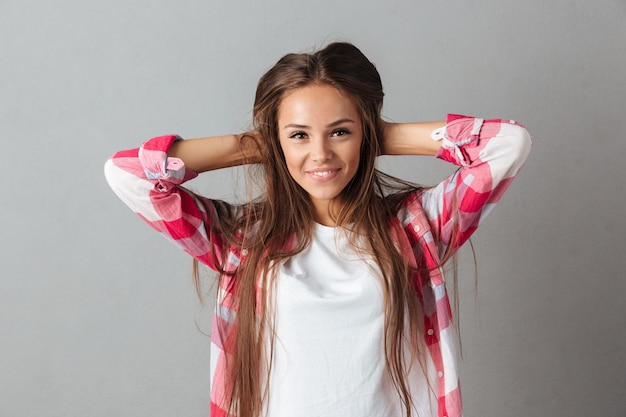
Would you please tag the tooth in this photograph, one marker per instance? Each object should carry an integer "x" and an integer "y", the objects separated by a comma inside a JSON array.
[{"x": 321, "y": 173}]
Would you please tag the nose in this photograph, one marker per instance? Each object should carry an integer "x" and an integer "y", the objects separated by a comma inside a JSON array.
[{"x": 320, "y": 150}]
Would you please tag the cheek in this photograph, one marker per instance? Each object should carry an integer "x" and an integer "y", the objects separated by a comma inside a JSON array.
[
  {"x": 295, "y": 154},
  {"x": 356, "y": 157},
  {"x": 355, "y": 168},
  {"x": 288, "y": 157},
  {"x": 292, "y": 161}
]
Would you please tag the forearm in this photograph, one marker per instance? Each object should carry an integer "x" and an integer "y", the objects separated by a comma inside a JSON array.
[
  {"x": 150, "y": 184},
  {"x": 210, "y": 153},
  {"x": 410, "y": 138}
]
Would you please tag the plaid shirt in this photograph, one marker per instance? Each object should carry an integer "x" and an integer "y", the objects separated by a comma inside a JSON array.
[{"x": 489, "y": 153}]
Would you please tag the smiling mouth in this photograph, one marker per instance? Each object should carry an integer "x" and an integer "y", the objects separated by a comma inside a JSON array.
[{"x": 323, "y": 173}]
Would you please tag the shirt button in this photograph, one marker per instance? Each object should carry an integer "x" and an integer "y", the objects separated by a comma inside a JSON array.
[
  {"x": 244, "y": 252},
  {"x": 440, "y": 374},
  {"x": 430, "y": 332},
  {"x": 417, "y": 228},
  {"x": 174, "y": 163}
]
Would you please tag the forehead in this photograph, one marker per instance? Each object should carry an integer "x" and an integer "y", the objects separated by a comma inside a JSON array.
[{"x": 316, "y": 102}]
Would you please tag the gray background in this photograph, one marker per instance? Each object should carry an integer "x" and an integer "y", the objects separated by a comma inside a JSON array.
[{"x": 98, "y": 316}]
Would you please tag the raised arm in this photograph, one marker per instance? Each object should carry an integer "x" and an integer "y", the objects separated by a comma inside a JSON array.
[
  {"x": 149, "y": 180},
  {"x": 210, "y": 153},
  {"x": 490, "y": 153}
]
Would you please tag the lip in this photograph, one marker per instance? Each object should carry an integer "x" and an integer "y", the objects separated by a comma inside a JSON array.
[{"x": 322, "y": 174}]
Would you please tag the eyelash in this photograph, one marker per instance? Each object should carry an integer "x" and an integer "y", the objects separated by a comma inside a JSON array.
[
  {"x": 297, "y": 135},
  {"x": 342, "y": 132},
  {"x": 335, "y": 133}
]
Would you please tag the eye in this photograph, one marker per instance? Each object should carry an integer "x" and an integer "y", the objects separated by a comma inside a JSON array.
[
  {"x": 297, "y": 135},
  {"x": 341, "y": 132}
]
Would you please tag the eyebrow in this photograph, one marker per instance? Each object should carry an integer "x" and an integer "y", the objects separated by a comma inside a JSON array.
[{"x": 333, "y": 124}]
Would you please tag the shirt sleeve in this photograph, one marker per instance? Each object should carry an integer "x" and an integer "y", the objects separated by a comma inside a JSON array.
[
  {"x": 149, "y": 182},
  {"x": 489, "y": 153}
]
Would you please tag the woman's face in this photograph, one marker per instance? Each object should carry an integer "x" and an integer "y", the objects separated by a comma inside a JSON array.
[{"x": 320, "y": 133}]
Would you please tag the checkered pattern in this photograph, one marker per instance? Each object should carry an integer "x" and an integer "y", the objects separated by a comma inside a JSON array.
[{"x": 489, "y": 153}]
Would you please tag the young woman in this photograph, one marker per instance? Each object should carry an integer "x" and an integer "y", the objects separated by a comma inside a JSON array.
[{"x": 331, "y": 296}]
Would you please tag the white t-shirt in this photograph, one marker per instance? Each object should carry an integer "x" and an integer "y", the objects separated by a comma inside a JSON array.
[{"x": 329, "y": 356}]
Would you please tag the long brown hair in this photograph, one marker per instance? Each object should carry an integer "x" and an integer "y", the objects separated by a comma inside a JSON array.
[{"x": 285, "y": 213}]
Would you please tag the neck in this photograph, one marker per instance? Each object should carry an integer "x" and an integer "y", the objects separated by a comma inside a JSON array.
[{"x": 326, "y": 212}]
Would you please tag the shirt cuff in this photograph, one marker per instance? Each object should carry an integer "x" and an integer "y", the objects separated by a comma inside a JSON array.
[
  {"x": 460, "y": 132},
  {"x": 165, "y": 171}
]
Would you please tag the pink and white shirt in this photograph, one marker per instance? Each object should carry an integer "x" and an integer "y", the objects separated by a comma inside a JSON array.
[{"x": 489, "y": 152}]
